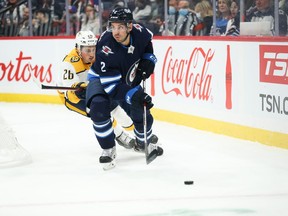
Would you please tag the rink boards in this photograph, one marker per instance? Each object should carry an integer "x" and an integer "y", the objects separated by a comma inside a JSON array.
[{"x": 231, "y": 86}]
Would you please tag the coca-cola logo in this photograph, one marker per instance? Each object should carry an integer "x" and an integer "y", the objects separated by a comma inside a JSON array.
[
  {"x": 189, "y": 76},
  {"x": 21, "y": 69}
]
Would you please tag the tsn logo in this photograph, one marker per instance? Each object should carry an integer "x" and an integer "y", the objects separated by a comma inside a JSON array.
[{"x": 274, "y": 64}]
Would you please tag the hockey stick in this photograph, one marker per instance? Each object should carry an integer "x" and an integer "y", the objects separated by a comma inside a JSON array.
[
  {"x": 58, "y": 87},
  {"x": 52, "y": 87},
  {"x": 150, "y": 153}
]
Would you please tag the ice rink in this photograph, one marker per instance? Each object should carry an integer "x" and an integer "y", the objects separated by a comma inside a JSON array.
[{"x": 231, "y": 176}]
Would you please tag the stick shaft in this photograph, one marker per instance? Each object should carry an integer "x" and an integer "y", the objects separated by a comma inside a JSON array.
[
  {"x": 51, "y": 87},
  {"x": 145, "y": 116},
  {"x": 58, "y": 87}
]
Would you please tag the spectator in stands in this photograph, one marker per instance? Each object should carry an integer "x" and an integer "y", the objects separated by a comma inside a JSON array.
[
  {"x": 76, "y": 11},
  {"x": 56, "y": 16},
  {"x": 172, "y": 18},
  {"x": 11, "y": 17},
  {"x": 233, "y": 24},
  {"x": 264, "y": 11},
  {"x": 283, "y": 5},
  {"x": 186, "y": 20},
  {"x": 24, "y": 23},
  {"x": 204, "y": 13},
  {"x": 142, "y": 11},
  {"x": 42, "y": 24},
  {"x": 53, "y": 12},
  {"x": 157, "y": 14},
  {"x": 90, "y": 20},
  {"x": 223, "y": 15}
]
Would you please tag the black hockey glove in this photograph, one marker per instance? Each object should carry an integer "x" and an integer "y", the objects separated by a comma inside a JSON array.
[
  {"x": 145, "y": 68},
  {"x": 81, "y": 91},
  {"x": 138, "y": 98}
]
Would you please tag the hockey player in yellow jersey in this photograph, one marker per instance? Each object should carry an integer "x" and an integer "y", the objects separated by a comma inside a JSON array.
[{"x": 73, "y": 72}]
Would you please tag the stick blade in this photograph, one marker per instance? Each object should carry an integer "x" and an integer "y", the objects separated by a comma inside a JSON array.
[
  {"x": 151, "y": 157},
  {"x": 35, "y": 80},
  {"x": 150, "y": 153}
]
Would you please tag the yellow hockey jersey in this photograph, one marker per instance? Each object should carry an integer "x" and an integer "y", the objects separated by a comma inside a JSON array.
[{"x": 72, "y": 70}]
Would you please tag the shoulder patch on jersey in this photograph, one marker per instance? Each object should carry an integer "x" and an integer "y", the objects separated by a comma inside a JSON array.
[
  {"x": 107, "y": 50},
  {"x": 74, "y": 59},
  {"x": 138, "y": 27}
]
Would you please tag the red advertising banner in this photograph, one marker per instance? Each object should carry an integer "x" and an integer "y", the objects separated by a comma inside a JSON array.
[{"x": 273, "y": 64}]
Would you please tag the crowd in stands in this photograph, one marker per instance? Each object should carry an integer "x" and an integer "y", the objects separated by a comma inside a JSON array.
[{"x": 185, "y": 17}]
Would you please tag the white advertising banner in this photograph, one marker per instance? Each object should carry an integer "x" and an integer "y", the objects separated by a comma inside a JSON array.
[
  {"x": 242, "y": 82},
  {"x": 42, "y": 55}
]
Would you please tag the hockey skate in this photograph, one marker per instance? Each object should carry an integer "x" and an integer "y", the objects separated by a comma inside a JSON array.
[
  {"x": 125, "y": 140},
  {"x": 140, "y": 147},
  {"x": 107, "y": 158}
]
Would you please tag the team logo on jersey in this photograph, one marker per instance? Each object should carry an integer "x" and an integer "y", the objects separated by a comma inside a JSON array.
[
  {"x": 74, "y": 59},
  {"x": 138, "y": 27},
  {"x": 130, "y": 77},
  {"x": 106, "y": 50}
]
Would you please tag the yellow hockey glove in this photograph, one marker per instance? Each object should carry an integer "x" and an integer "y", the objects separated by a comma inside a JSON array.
[{"x": 79, "y": 94}]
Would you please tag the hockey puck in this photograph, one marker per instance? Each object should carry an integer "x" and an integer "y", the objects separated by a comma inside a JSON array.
[{"x": 188, "y": 182}]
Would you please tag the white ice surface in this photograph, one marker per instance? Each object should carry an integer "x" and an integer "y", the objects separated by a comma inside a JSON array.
[{"x": 231, "y": 176}]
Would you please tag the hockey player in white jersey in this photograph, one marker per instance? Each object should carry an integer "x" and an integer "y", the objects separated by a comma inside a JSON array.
[{"x": 73, "y": 72}]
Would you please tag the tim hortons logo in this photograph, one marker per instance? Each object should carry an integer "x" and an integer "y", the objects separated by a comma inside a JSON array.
[
  {"x": 188, "y": 77},
  {"x": 20, "y": 69},
  {"x": 274, "y": 64}
]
